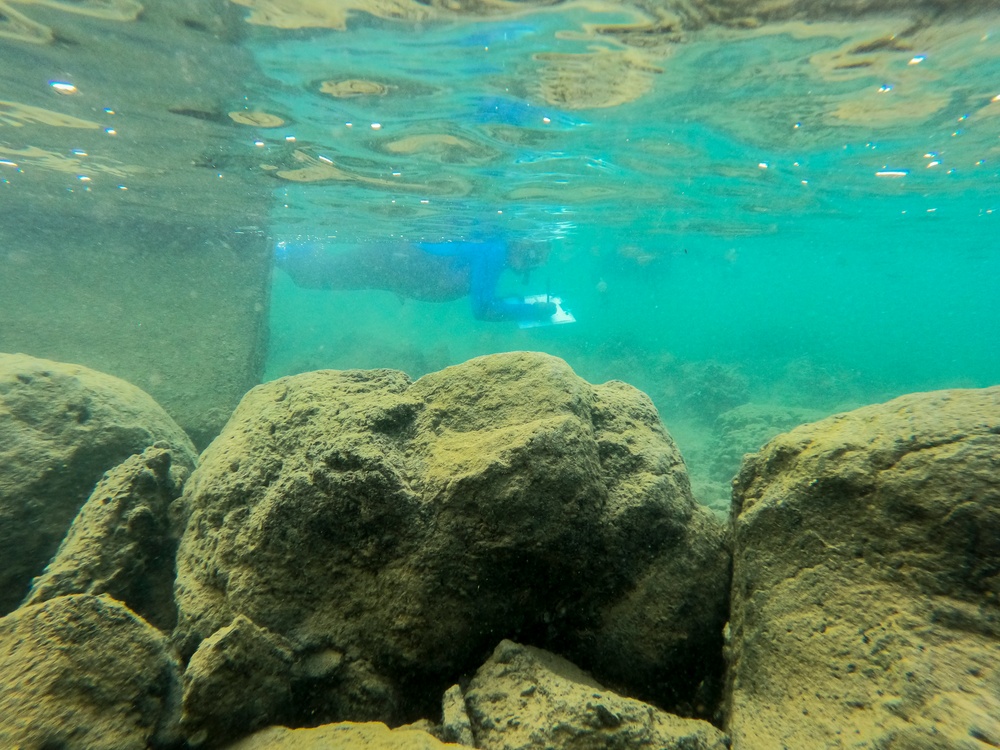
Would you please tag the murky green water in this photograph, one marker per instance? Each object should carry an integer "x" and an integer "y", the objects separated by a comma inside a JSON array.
[{"x": 801, "y": 215}]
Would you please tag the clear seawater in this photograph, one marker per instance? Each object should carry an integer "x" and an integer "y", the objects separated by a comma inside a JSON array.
[
  {"x": 800, "y": 215},
  {"x": 759, "y": 225}
]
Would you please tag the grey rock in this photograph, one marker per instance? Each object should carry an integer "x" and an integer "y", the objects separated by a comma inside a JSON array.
[
  {"x": 866, "y": 586},
  {"x": 530, "y": 699},
  {"x": 455, "y": 724},
  {"x": 61, "y": 427}
]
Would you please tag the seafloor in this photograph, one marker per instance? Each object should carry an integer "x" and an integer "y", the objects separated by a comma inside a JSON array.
[{"x": 496, "y": 555}]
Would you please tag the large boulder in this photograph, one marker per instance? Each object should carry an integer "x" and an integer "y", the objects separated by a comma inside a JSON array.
[
  {"x": 83, "y": 671},
  {"x": 525, "y": 698},
  {"x": 393, "y": 531},
  {"x": 61, "y": 427},
  {"x": 866, "y": 584}
]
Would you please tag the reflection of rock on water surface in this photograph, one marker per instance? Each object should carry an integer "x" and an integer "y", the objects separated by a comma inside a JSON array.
[
  {"x": 18, "y": 115},
  {"x": 353, "y": 87},
  {"x": 625, "y": 58},
  {"x": 20, "y": 27}
]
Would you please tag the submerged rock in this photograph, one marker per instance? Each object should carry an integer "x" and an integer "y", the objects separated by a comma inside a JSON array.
[
  {"x": 83, "y": 671},
  {"x": 866, "y": 587},
  {"x": 237, "y": 681},
  {"x": 455, "y": 723},
  {"x": 121, "y": 542},
  {"x": 61, "y": 427},
  {"x": 344, "y": 736},
  {"x": 393, "y": 531},
  {"x": 530, "y": 699}
]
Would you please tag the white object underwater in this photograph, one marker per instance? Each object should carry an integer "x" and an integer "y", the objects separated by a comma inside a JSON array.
[{"x": 559, "y": 317}]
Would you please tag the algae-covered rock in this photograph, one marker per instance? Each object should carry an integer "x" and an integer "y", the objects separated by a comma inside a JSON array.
[
  {"x": 393, "y": 531},
  {"x": 61, "y": 427},
  {"x": 866, "y": 587},
  {"x": 530, "y": 699},
  {"x": 121, "y": 542},
  {"x": 344, "y": 736},
  {"x": 83, "y": 671},
  {"x": 237, "y": 681}
]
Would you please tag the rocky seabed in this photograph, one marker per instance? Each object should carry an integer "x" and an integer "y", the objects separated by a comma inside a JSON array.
[{"x": 498, "y": 555}]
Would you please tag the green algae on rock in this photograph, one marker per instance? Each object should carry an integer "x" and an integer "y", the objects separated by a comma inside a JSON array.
[
  {"x": 61, "y": 427},
  {"x": 866, "y": 591},
  {"x": 404, "y": 527}
]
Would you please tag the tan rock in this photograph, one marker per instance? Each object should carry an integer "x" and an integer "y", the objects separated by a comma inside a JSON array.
[
  {"x": 344, "y": 736},
  {"x": 530, "y": 699},
  {"x": 866, "y": 591},
  {"x": 83, "y": 671}
]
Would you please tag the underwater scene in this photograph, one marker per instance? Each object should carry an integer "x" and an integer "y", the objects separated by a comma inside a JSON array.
[
  {"x": 500, "y": 374},
  {"x": 786, "y": 221}
]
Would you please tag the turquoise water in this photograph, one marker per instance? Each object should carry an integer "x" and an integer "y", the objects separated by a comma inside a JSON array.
[
  {"x": 758, "y": 222},
  {"x": 791, "y": 216},
  {"x": 785, "y": 218}
]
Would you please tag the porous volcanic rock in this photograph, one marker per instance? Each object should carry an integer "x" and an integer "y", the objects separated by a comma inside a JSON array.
[
  {"x": 866, "y": 583},
  {"x": 394, "y": 531},
  {"x": 525, "y": 698},
  {"x": 455, "y": 723},
  {"x": 237, "y": 680},
  {"x": 82, "y": 671},
  {"x": 343, "y": 736},
  {"x": 121, "y": 542},
  {"x": 61, "y": 427}
]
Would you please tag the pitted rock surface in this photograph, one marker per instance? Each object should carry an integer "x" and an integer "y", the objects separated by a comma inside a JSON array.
[
  {"x": 866, "y": 584},
  {"x": 394, "y": 531},
  {"x": 83, "y": 671},
  {"x": 122, "y": 542}
]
